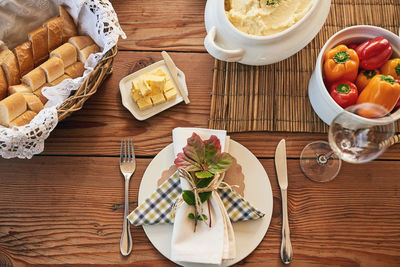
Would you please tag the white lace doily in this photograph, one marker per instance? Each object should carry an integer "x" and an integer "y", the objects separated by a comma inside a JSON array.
[{"x": 95, "y": 18}]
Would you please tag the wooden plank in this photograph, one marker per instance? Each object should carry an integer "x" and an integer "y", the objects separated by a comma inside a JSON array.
[
  {"x": 97, "y": 129},
  {"x": 68, "y": 210},
  {"x": 162, "y": 25},
  {"x": 100, "y": 125}
]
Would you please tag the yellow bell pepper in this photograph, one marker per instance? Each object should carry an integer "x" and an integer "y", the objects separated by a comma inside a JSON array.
[
  {"x": 392, "y": 68},
  {"x": 341, "y": 63},
  {"x": 383, "y": 90},
  {"x": 364, "y": 77}
]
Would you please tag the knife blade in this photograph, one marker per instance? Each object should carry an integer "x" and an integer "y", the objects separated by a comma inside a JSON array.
[
  {"x": 174, "y": 73},
  {"x": 281, "y": 173}
]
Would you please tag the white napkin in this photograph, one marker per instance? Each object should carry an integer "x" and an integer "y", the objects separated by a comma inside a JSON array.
[{"x": 206, "y": 245}]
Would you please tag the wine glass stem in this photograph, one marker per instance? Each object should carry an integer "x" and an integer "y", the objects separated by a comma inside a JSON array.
[{"x": 323, "y": 158}]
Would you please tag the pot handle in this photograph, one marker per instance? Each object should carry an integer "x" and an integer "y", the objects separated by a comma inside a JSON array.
[{"x": 218, "y": 52}]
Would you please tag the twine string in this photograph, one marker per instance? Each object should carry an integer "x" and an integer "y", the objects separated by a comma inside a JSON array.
[{"x": 216, "y": 183}]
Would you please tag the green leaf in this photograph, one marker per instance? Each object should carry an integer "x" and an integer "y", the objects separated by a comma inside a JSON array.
[
  {"x": 202, "y": 157},
  {"x": 204, "y": 174},
  {"x": 188, "y": 197},
  {"x": 201, "y": 217},
  {"x": 191, "y": 216},
  {"x": 212, "y": 147},
  {"x": 184, "y": 162},
  {"x": 204, "y": 196},
  {"x": 221, "y": 163},
  {"x": 193, "y": 154},
  {"x": 204, "y": 182}
]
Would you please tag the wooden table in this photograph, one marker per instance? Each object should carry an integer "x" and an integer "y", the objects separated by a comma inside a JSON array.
[{"x": 65, "y": 206}]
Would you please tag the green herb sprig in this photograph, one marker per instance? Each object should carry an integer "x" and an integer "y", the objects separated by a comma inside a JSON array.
[
  {"x": 264, "y": 3},
  {"x": 202, "y": 164}
]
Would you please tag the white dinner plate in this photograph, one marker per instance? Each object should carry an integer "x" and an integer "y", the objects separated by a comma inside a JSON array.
[
  {"x": 257, "y": 191},
  {"x": 125, "y": 86}
]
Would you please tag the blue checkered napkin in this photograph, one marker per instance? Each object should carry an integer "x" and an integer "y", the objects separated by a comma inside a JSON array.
[
  {"x": 156, "y": 209},
  {"x": 238, "y": 208}
]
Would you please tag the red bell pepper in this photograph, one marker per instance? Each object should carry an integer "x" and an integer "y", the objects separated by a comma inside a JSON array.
[
  {"x": 352, "y": 46},
  {"x": 374, "y": 53},
  {"x": 344, "y": 93}
]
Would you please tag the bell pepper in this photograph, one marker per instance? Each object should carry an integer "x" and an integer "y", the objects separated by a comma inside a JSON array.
[
  {"x": 392, "y": 68},
  {"x": 364, "y": 77},
  {"x": 374, "y": 53},
  {"x": 344, "y": 93},
  {"x": 397, "y": 104},
  {"x": 398, "y": 101},
  {"x": 352, "y": 46},
  {"x": 341, "y": 63},
  {"x": 383, "y": 90}
]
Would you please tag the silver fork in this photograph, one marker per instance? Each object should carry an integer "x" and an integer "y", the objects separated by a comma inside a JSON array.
[{"x": 127, "y": 165}]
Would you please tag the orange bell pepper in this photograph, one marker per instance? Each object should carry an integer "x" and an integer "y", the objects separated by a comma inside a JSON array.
[
  {"x": 392, "y": 68},
  {"x": 341, "y": 63},
  {"x": 364, "y": 77},
  {"x": 382, "y": 90}
]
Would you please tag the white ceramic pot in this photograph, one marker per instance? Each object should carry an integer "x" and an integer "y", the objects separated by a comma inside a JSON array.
[
  {"x": 321, "y": 101},
  {"x": 225, "y": 42}
]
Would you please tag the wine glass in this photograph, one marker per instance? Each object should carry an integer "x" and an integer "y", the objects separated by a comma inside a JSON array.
[{"x": 358, "y": 134}]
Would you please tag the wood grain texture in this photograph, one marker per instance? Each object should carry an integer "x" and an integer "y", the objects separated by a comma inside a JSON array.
[
  {"x": 58, "y": 210},
  {"x": 63, "y": 211},
  {"x": 162, "y": 25},
  {"x": 97, "y": 129}
]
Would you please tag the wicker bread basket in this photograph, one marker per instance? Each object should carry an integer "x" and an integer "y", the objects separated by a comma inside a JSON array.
[{"x": 89, "y": 85}]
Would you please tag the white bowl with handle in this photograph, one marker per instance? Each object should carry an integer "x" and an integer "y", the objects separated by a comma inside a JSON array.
[
  {"x": 227, "y": 43},
  {"x": 321, "y": 101}
]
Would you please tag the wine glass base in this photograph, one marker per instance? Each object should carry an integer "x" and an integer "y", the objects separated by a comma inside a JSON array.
[{"x": 314, "y": 166}]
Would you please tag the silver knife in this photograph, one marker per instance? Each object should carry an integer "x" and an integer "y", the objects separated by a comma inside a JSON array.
[
  {"x": 174, "y": 73},
  {"x": 281, "y": 172}
]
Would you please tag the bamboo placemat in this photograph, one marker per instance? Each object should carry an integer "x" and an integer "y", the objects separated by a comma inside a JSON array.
[{"x": 274, "y": 97}]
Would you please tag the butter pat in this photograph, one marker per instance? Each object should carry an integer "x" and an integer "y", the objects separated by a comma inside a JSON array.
[
  {"x": 160, "y": 72},
  {"x": 171, "y": 94},
  {"x": 140, "y": 86},
  {"x": 144, "y": 103},
  {"x": 152, "y": 89},
  {"x": 168, "y": 86},
  {"x": 158, "y": 99},
  {"x": 136, "y": 95},
  {"x": 154, "y": 82}
]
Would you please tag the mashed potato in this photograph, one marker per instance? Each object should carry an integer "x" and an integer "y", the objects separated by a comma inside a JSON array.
[{"x": 265, "y": 17}]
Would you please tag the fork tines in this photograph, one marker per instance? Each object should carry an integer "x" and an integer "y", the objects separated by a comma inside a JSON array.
[{"x": 127, "y": 150}]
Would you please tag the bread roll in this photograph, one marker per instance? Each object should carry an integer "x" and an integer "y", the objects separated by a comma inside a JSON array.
[
  {"x": 11, "y": 107},
  {"x": 55, "y": 32},
  {"x": 67, "y": 53},
  {"x": 24, "y": 118},
  {"x": 33, "y": 102},
  {"x": 10, "y": 67},
  {"x": 69, "y": 27},
  {"x": 35, "y": 78},
  {"x": 59, "y": 80},
  {"x": 3, "y": 84},
  {"x": 38, "y": 38},
  {"x": 87, "y": 51},
  {"x": 24, "y": 56},
  {"x": 75, "y": 70},
  {"x": 19, "y": 88},
  {"x": 39, "y": 93},
  {"x": 81, "y": 42},
  {"x": 53, "y": 68}
]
